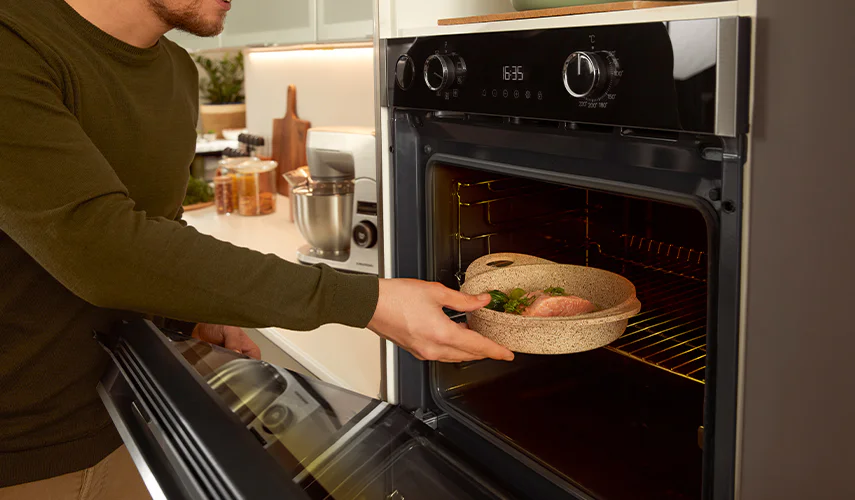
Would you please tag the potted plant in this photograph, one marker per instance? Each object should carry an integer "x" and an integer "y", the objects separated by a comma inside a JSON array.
[
  {"x": 223, "y": 92},
  {"x": 199, "y": 194}
]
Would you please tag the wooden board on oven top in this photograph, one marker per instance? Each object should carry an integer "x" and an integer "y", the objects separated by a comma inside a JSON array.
[{"x": 566, "y": 11}]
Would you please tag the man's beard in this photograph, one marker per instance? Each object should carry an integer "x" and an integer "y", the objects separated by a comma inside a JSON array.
[{"x": 187, "y": 19}]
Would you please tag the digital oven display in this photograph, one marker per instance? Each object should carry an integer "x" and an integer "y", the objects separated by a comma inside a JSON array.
[{"x": 513, "y": 73}]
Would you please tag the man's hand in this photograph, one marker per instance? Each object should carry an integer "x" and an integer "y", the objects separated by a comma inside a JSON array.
[
  {"x": 409, "y": 313},
  {"x": 230, "y": 337}
]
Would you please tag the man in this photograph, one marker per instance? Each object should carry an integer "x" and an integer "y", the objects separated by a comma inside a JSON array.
[{"x": 97, "y": 130}]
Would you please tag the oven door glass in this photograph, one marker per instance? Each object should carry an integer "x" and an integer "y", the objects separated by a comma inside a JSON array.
[{"x": 205, "y": 422}]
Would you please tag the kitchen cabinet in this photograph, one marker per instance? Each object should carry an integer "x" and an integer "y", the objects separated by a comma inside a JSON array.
[
  {"x": 270, "y": 22},
  {"x": 345, "y": 20},
  {"x": 192, "y": 43},
  {"x": 287, "y": 22}
]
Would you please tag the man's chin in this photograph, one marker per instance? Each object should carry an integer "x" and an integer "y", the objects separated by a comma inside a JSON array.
[
  {"x": 204, "y": 30},
  {"x": 194, "y": 19},
  {"x": 207, "y": 33}
]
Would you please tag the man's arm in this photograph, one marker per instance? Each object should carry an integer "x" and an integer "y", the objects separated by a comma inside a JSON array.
[{"x": 62, "y": 202}]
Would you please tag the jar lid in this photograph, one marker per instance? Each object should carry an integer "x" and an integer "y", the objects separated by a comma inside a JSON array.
[
  {"x": 256, "y": 166},
  {"x": 234, "y": 161},
  {"x": 231, "y": 165}
]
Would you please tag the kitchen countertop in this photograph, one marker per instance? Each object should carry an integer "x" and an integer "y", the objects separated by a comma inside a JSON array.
[{"x": 345, "y": 356}]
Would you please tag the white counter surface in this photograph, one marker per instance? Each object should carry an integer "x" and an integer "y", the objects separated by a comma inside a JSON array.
[
  {"x": 345, "y": 356},
  {"x": 215, "y": 146}
]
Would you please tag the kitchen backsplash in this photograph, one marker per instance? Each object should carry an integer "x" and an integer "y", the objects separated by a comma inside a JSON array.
[{"x": 335, "y": 86}]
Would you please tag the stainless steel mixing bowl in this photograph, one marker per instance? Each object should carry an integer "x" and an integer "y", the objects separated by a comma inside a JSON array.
[{"x": 324, "y": 215}]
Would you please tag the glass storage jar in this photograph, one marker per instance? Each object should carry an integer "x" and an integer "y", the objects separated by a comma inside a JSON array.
[
  {"x": 256, "y": 187},
  {"x": 225, "y": 184}
]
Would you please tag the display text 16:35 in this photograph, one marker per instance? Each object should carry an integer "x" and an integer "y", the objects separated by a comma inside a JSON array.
[{"x": 512, "y": 73}]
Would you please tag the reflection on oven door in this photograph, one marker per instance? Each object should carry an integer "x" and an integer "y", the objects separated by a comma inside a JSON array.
[
  {"x": 275, "y": 406},
  {"x": 274, "y": 429}
]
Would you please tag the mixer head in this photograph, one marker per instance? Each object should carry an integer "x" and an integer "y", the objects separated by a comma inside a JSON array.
[{"x": 339, "y": 153}]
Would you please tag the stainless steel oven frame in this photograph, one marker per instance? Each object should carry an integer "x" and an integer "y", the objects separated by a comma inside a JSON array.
[{"x": 702, "y": 171}]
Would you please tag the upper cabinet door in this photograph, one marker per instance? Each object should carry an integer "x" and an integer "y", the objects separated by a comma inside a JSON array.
[
  {"x": 340, "y": 20},
  {"x": 192, "y": 43},
  {"x": 269, "y": 22}
]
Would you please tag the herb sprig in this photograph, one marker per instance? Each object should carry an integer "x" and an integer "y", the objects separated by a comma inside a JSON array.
[{"x": 518, "y": 300}]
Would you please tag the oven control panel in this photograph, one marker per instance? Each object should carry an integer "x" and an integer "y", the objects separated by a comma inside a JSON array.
[{"x": 677, "y": 76}]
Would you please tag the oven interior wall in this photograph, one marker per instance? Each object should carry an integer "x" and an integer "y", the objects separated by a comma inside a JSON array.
[{"x": 621, "y": 422}]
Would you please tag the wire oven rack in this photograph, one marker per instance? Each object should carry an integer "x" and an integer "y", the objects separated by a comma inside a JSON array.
[{"x": 670, "y": 331}]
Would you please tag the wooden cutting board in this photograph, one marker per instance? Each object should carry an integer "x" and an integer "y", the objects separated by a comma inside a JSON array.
[
  {"x": 564, "y": 11},
  {"x": 289, "y": 141}
]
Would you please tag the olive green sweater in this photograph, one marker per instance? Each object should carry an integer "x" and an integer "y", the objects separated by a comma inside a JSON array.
[{"x": 96, "y": 140}]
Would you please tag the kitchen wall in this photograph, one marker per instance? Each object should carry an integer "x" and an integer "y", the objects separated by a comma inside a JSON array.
[{"x": 335, "y": 86}]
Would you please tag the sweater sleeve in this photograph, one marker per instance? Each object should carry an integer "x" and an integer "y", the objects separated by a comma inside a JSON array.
[{"x": 62, "y": 202}]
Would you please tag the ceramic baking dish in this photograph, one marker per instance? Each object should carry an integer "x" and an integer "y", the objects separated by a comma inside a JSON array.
[{"x": 613, "y": 294}]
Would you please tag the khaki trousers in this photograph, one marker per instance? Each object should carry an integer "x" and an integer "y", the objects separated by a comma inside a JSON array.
[{"x": 114, "y": 478}]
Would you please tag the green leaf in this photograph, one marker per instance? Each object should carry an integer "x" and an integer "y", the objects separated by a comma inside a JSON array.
[
  {"x": 555, "y": 291},
  {"x": 224, "y": 82},
  {"x": 498, "y": 301},
  {"x": 518, "y": 301},
  {"x": 198, "y": 191},
  {"x": 518, "y": 306}
]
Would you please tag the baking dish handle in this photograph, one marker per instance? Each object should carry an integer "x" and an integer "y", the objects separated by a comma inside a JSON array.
[{"x": 496, "y": 261}]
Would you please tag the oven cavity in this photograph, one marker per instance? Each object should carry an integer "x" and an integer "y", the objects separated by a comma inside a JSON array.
[{"x": 620, "y": 422}]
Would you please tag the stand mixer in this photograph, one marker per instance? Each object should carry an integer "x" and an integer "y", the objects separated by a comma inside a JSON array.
[{"x": 336, "y": 209}]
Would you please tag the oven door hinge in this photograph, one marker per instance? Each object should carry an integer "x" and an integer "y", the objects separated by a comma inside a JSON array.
[
  {"x": 718, "y": 154},
  {"x": 426, "y": 416}
]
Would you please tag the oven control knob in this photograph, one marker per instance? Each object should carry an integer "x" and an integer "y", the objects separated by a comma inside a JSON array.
[
  {"x": 588, "y": 75},
  {"x": 365, "y": 234},
  {"x": 405, "y": 72},
  {"x": 442, "y": 71}
]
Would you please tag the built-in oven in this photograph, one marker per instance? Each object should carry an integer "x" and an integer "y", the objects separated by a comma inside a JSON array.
[{"x": 618, "y": 147}]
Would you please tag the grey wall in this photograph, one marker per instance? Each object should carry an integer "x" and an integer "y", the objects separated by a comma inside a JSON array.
[{"x": 799, "y": 420}]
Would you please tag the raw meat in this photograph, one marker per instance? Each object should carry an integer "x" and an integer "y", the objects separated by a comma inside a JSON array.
[{"x": 546, "y": 305}]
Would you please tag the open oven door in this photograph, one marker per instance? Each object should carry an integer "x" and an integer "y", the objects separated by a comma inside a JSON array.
[{"x": 203, "y": 422}]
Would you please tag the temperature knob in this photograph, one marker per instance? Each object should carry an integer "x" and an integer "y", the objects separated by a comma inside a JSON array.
[
  {"x": 589, "y": 75},
  {"x": 442, "y": 71}
]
